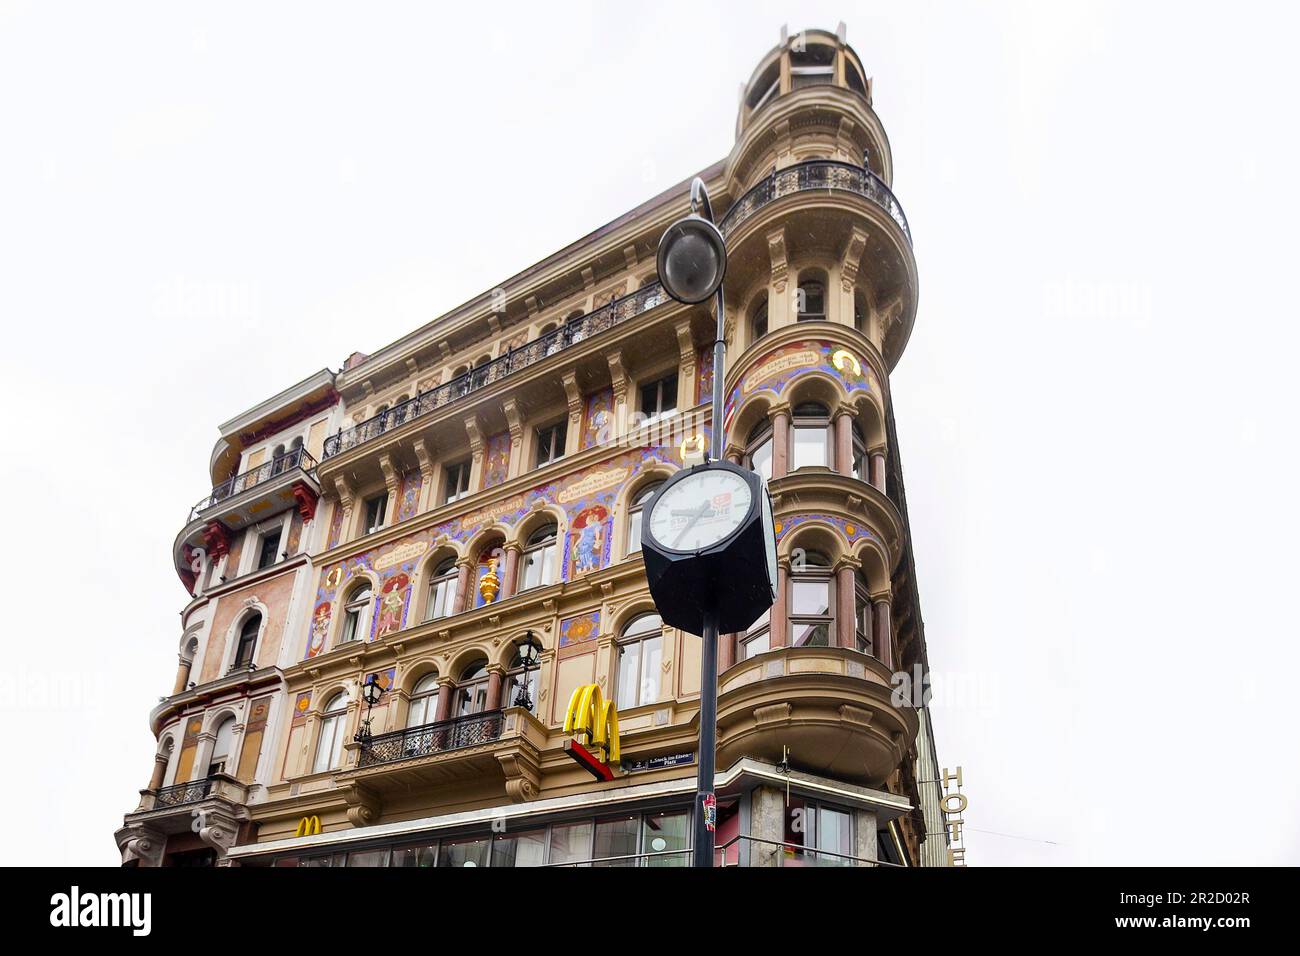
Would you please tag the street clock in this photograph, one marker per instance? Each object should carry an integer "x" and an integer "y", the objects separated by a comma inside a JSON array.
[{"x": 710, "y": 548}]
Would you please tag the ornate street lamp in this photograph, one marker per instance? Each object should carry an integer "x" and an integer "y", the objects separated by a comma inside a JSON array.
[
  {"x": 528, "y": 657},
  {"x": 371, "y": 691}
]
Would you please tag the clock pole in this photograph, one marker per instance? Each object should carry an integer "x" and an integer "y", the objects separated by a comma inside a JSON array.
[{"x": 692, "y": 262}]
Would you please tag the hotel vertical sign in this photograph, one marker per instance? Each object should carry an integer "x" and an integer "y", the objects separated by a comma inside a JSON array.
[{"x": 954, "y": 805}]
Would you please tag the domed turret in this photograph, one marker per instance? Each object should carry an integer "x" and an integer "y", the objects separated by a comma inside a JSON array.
[{"x": 808, "y": 58}]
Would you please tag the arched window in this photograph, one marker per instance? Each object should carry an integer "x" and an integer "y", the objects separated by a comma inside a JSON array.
[
  {"x": 758, "y": 321},
  {"x": 329, "y": 744},
  {"x": 356, "y": 614},
  {"x": 811, "y": 300},
  {"x": 247, "y": 645},
  {"x": 442, "y": 590},
  {"x": 424, "y": 701},
  {"x": 640, "y": 661},
  {"x": 758, "y": 450},
  {"x": 278, "y": 462},
  {"x": 222, "y": 746},
  {"x": 472, "y": 689},
  {"x": 811, "y": 442},
  {"x": 812, "y": 600},
  {"x": 539, "y": 558},
  {"x": 515, "y": 680},
  {"x": 635, "y": 510}
]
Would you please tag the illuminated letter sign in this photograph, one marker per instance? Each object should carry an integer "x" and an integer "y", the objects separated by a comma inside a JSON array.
[
  {"x": 591, "y": 714},
  {"x": 308, "y": 826}
]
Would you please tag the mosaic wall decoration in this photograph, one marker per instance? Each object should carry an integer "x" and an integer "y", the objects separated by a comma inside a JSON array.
[
  {"x": 583, "y": 627},
  {"x": 598, "y": 418},
  {"x": 496, "y": 459},
  {"x": 408, "y": 494},
  {"x": 588, "y": 543},
  {"x": 301, "y": 704},
  {"x": 336, "y": 526},
  {"x": 587, "y": 498},
  {"x": 778, "y": 368},
  {"x": 704, "y": 365},
  {"x": 394, "y": 599},
  {"x": 853, "y": 531}
]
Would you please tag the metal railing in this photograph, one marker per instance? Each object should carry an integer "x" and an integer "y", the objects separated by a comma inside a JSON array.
[
  {"x": 802, "y": 177},
  {"x": 180, "y": 794},
  {"x": 426, "y": 739},
  {"x": 572, "y": 332},
  {"x": 294, "y": 458},
  {"x": 788, "y": 854},
  {"x": 813, "y": 175}
]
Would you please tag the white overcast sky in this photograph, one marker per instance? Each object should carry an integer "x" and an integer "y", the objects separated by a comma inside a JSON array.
[{"x": 202, "y": 205}]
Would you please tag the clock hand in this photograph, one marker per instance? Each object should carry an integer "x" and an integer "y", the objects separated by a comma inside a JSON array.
[{"x": 696, "y": 516}]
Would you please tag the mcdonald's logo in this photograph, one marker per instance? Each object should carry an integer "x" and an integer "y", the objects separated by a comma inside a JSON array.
[
  {"x": 591, "y": 714},
  {"x": 308, "y": 826}
]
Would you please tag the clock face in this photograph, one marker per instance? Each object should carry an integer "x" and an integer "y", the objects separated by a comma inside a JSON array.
[{"x": 700, "y": 510}]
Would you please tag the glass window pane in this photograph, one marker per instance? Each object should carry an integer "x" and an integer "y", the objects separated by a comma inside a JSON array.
[
  {"x": 368, "y": 858},
  {"x": 834, "y": 833},
  {"x": 811, "y": 635},
  {"x": 809, "y": 446},
  {"x": 761, "y": 460},
  {"x": 416, "y": 856},
  {"x": 615, "y": 837},
  {"x": 570, "y": 843},
  {"x": 629, "y": 661},
  {"x": 464, "y": 853},
  {"x": 757, "y": 645},
  {"x": 810, "y": 598},
  {"x": 652, "y": 654},
  {"x": 520, "y": 849},
  {"x": 662, "y": 832},
  {"x": 634, "y": 532}
]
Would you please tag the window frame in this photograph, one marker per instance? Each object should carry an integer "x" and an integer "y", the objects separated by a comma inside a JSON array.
[
  {"x": 662, "y": 398},
  {"x": 333, "y": 720},
  {"x": 557, "y": 433},
  {"x": 442, "y": 583},
  {"x": 246, "y": 641},
  {"x": 635, "y": 513},
  {"x": 548, "y": 548},
  {"x": 354, "y": 613},
  {"x": 802, "y": 419},
  {"x": 628, "y": 639},
  {"x": 820, "y": 574},
  {"x": 455, "y": 484},
  {"x": 374, "y": 503}
]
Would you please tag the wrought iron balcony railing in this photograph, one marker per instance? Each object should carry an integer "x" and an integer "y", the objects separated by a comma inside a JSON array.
[
  {"x": 427, "y": 739},
  {"x": 296, "y": 458},
  {"x": 812, "y": 175},
  {"x": 180, "y": 794}
]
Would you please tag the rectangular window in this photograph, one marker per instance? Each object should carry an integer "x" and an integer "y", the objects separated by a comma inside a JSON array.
[
  {"x": 458, "y": 853},
  {"x": 615, "y": 837},
  {"x": 457, "y": 482},
  {"x": 659, "y": 398},
  {"x": 639, "y": 667},
  {"x": 810, "y": 612},
  {"x": 519, "y": 849},
  {"x": 550, "y": 444},
  {"x": 811, "y": 445},
  {"x": 665, "y": 833},
  {"x": 368, "y": 858},
  {"x": 269, "y": 550},
  {"x": 375, "y": 512},
  {"x": 416, "y": 856},
  {"x": 570, "y": 843}
]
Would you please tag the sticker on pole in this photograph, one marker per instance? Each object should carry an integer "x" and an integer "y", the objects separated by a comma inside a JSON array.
[{"x": 710, "y": 812}]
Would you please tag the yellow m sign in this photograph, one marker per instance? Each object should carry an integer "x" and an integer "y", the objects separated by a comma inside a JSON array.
[
  {"x": 308, "y": 826},
  {"x": 591, "y": 714}
]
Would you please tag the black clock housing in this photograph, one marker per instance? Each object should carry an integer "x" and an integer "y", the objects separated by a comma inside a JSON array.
[{"x": 734, "y": 578}]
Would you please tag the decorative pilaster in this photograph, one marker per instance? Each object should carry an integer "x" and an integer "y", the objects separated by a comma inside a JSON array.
[
  {"x": 780, "y": 417},
  {"x": 844, "y": 416},
  {"x": 686, "y": 365},
  {"x": 515, "y": 422},
  {"x": 573, "y": 434},
  {"x": 882, "y": 633},
  {"x": 424, "y": 457},
  {"x": 475, "y": 433},
  {"x": 780, "y": 626},
  {"x": 846, "y": 570},
  {"x": 463, "y": 568}
]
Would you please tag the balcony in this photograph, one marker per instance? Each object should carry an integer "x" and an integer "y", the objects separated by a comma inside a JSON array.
[
  {"x": 815, "y": 175},
  {"x": 179, "y": 794},
  {"x": 212, "y": 808},
  {"x": 584, "y": 327},
  {"x": 296, "y": 460},
  {"x": 435, "y": 738},
  {"x": 484, "y": 753}
]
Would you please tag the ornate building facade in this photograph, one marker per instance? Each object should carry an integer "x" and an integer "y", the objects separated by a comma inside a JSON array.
[{"x": 456, "y": 518}]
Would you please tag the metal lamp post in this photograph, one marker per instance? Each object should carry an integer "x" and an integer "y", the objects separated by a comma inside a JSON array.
[
  {"x": 528, "y": 657},
  {"x": 692, "y": 262},
  {"x": 371, "y": 691}
]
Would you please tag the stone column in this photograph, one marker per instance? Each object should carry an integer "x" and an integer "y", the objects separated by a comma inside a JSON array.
[
  {"x": 845, "y": 604},
  {"x": 780, "y": 440},
  {"x": 882, "y": 630},
  {"x": 878, "y": 468},
  {"x": 159, "y": 771},
  {"x": 462, "y": 599},
  {"x": 766, "y": 822},
  {"x": 496, "y": 678},
  {"x": 510, "y": 579},
  {"x": 865, "y": 837},
  {"x": 726, "y": 651},
  {"x": 780, "y": 626},
  {"x": 182, "y": 675},
  {"x": 446, "y": 686},
  {"x": 844, "y": 441}
]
